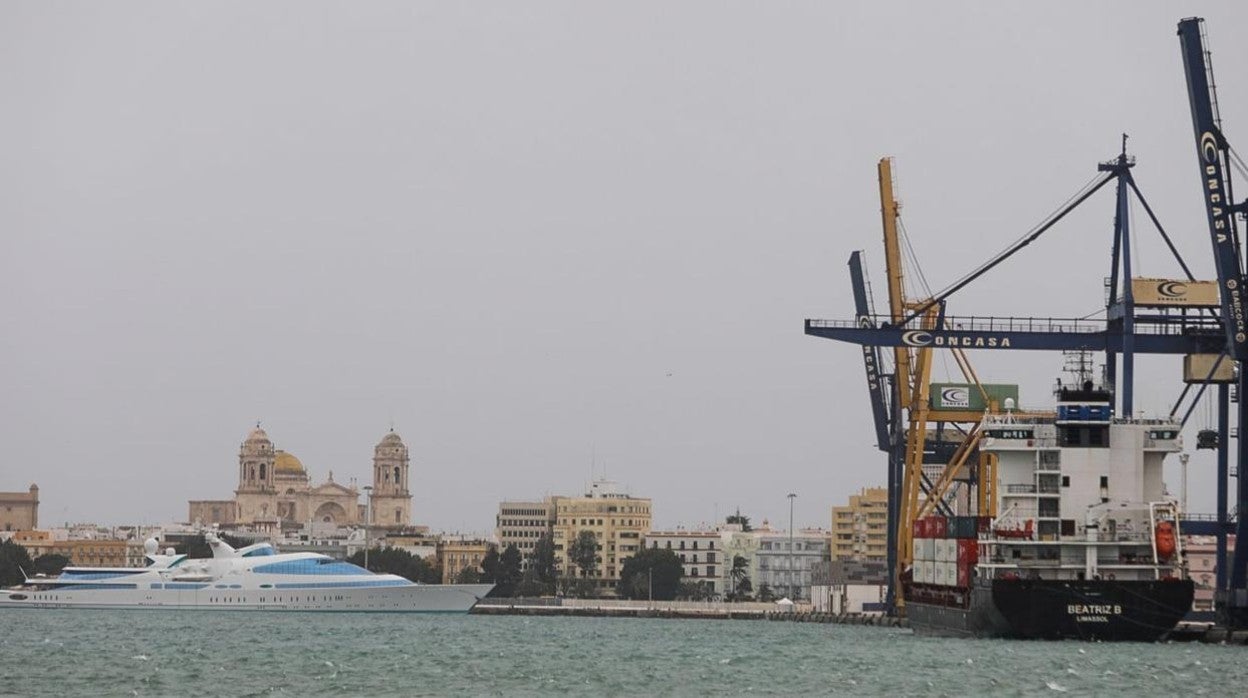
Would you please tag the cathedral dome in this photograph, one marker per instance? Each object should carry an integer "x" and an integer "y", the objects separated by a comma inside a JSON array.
[
  {"x": 390, "y": 444},
  {"x": 257, "y": 436},
  {"x": 286, "y": 463}
]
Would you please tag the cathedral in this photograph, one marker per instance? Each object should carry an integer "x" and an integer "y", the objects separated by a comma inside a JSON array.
[{"x": 275, "y": 492}]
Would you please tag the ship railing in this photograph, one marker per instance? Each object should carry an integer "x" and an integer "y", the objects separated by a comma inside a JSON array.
[
  {"x": 1020, "y": 489},
  {"x": 1048, "y": 467}
]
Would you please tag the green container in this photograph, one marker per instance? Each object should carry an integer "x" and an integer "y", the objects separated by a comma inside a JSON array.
[{"x": 966, "y": 396}]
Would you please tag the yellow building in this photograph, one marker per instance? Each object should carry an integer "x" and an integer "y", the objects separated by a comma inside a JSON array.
[
  {"x": 617, "y": 520},
  {"x": 82, "y": 553},
  {"x": 19, "y": 511},
  {"x": 860, "y": 530},
  {"x": 455, "y": 555}
]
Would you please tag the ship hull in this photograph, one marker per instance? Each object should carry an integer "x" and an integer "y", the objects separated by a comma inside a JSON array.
[
  {"x": 415, "y": 598},
  {"x": 1105, "y": 610}
]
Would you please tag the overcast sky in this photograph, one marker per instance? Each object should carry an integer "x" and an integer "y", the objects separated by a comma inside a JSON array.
[{"x": 544, "y": 240}]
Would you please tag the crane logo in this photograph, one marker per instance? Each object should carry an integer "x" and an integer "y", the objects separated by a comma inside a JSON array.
[
  {"x": 1209, "y": 147},
  {"x": 955, "y": 397},
  {"x": 1172, "y": 289},
  {"x": 916, "y": 338}
]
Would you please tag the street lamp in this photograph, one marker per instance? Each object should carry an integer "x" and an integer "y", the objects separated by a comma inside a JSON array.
[
  {"x": 792, "y": 571},
  {"x": 368, "y": 517}
]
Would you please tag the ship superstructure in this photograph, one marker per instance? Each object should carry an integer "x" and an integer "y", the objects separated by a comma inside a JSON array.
[{"x": 1085, "y": 542}]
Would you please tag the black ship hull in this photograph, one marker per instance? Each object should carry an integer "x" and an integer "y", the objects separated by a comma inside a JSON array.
[{"x": 1107, "y": 610}]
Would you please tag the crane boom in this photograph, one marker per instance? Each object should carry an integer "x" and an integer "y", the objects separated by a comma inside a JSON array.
[{"x": 1211, "y": 153}]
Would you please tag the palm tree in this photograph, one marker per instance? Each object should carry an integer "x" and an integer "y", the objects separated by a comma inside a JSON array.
[{"x": 740, "y": 572}]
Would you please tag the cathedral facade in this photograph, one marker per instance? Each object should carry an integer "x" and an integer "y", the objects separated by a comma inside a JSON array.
[{"x": 274, "y": 491}]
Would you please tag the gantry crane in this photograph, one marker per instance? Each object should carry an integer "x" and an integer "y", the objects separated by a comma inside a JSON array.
[
  {"x": 1171, "y": 318},
  {"x": 1214, "y": 154}
]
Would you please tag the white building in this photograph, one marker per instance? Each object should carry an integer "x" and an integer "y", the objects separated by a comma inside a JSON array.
[
  {"x": 701, "y": 553},
  {"x": 788, "y": 570}
]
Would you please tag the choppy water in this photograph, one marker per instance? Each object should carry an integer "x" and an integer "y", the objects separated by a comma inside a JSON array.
[{"x": 161, "y": 653}]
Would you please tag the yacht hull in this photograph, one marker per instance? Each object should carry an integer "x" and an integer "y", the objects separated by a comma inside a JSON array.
[{"x": 418, "y": 598}]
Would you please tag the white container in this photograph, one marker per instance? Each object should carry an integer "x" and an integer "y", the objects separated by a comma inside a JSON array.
[
  {"x": 940, "y": 574},
  {"x": 942, "y": 550},
  {"x": 929, "y": 549},
  {"x": 951, "y": 573},
  {"x": 929, "y": 572}
]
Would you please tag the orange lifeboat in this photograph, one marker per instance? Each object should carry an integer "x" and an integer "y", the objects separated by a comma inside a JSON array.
[{"x": 1163, "y": 539}]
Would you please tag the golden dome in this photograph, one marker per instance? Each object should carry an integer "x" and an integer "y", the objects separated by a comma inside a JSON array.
[{"x": 284, "y": 462}]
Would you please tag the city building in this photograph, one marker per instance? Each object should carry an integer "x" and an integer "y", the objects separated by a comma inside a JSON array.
[
  {"x": 701, "y": 553},
  {"x": 522, "y": 523},
  {"x": 1201, "y": 554},
  {"x": 82, "y": 552},
  {"x": 860, "y": 530},
  {"x": 454, "y": 554},
  {"x": 19, "y": 511},
  {"x": 617, "y": 521},
  {"x": 787, "y": 571},
  {"x": 275, "y": 491}
]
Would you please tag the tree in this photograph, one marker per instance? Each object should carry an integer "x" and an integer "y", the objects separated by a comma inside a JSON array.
[
  {"x": 197, "y": 548},
  {"x": 739, "y": 518},
  {"x": 400, "y": 562},
  {"x": 50, "y": 564},
  {"x": 656, "y": 571},
  {"x": 739, "y": 575},
  {"x": 584, "y": 553},
  {"x": 468, "y": 575},
  {"x": 489, "y": 565},
  {"x": 13, "y": 560},
  {"x": 765, "y": 594},
  {"x": 531, "y": 586},
  {"x": 509, "y": 573},
  {"x": 700, "y": 590},
  {"x": 542, "y": 559}
]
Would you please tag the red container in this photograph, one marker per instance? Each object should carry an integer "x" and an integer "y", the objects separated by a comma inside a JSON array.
[
  {"x": 985, "y": 524},
  {"x": 938, "y": 527},
  {"x": 919, "y": 530},
  {"x": 964, "y": 576},
  {"x": 968, "y": 552}
]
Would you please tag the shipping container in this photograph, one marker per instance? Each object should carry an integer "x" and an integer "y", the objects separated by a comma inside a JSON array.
[
  {"x": 985, "y": 524},
  {"x": 964, "y": 576},
  {"x": 940, "y": 574},
  {"x": 918, "y": 530},
  {"x": 968, "y": 552},
  {"x": 963, "y": 527},
  {"x": 937, "y": 527},
  {"x": 928, "y": 548}
]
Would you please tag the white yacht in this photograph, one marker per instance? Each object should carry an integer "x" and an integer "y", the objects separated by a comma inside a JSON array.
[{"x": 254, "y": 578}]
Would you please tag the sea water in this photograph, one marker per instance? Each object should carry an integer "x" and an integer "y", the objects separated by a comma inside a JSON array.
[{"x": 213, "y": 653}]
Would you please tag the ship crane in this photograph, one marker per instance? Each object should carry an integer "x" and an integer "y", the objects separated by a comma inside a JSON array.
[{"x": 1183, "y": 317}]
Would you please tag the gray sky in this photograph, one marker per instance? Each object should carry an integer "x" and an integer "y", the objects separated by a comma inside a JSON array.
[{"x": 540, "y": 236}]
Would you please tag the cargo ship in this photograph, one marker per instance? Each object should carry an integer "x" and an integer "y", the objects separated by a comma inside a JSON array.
[{"x": 1085, "y": 544}]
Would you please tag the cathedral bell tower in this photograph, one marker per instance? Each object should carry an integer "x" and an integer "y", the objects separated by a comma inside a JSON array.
[{"x": 392, "y": 501}]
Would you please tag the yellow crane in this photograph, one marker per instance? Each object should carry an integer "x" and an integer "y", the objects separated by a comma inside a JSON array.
[{"x": 912, "y": 380}]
